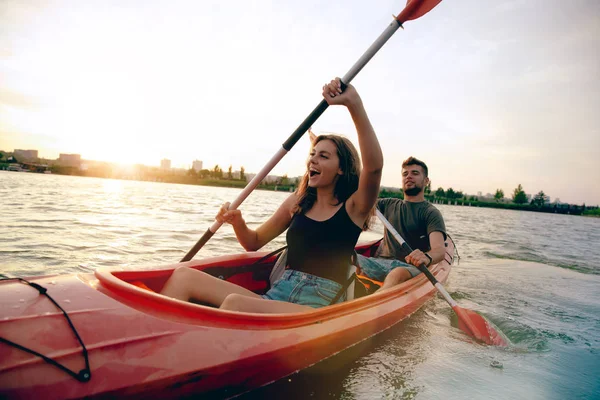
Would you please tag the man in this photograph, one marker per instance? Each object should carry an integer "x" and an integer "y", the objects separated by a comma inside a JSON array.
[{"x": 418, "y": 222}]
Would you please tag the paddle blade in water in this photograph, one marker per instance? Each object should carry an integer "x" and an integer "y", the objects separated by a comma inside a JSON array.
[
  {"x": 415, "y": 9},
  {"x": 478, "y": 327}
]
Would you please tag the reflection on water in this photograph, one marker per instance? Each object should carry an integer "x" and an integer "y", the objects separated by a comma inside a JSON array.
[
  {"x": 536, "y": 276},
  {"x": 73, "y": 224}
]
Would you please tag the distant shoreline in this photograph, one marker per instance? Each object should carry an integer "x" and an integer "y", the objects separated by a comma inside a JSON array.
[{"x": 567, "y": 209}]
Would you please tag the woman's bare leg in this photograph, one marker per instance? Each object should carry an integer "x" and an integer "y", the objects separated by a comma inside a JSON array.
[
  {"x": 240, "y": 302},
  {"x": 189, "y": 284}
]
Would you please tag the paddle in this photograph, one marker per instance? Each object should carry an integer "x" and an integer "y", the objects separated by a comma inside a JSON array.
[
  {"x": 469, "y": 321},
  {"x": 413, "y": 10}
]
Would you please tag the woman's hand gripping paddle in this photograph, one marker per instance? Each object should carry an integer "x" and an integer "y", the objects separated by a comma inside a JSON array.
[{"x": 469, "y": 321}]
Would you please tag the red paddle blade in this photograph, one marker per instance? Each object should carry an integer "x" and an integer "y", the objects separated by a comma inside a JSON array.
[
  {"x": 478, "y": 327},
  {"x": 415, "y": 9}
]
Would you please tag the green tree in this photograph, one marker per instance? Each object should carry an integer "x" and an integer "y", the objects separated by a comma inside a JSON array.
[
  {"x": 283, "y": 180},
  {"x": 204, "y": 173},
  {"x": 1, "y": 155},
  {"x": 450, "y": 194},
  {"x": 499, "y": 195},
  {"x": 242, "y": 175},
  {"x": 217, "y": 172},
  {"x": 519, "y": 196},
  {"x": 539, "y": 199},
  {"x": 229, "y": 173},
  {"x": 428, "y": 189},
  {"x": 192, "y": 172},
  {"x": 440, "y": 192}
]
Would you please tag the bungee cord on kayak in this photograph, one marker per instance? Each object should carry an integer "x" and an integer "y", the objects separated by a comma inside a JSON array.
[{"x": 83, "y": 375}]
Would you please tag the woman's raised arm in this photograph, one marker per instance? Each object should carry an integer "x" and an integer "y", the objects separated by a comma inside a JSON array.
[{"x": 359, "y": 205}]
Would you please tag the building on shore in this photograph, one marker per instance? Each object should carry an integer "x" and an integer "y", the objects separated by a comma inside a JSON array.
[
  {"x": 25, "y": 155},
  {"x": 165, "y": 163},
  {"x": 16, "y": 167},
  {"x": 197, "y": 165},
  {"x": 69, "y": 160}
]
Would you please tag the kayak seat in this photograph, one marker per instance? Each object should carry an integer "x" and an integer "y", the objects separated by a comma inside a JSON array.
[
  {"x": 141, "y": 285},
  {"x": 357, "y": 284},
  {"x": 371, "y": 285},
  {"x": 364, "y": 285}
]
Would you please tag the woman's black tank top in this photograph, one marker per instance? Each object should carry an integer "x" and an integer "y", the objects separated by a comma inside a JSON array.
[{"x": 322, "y": 248}]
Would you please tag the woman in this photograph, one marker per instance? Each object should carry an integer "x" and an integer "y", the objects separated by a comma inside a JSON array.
[{"x": 325, "y": 217}]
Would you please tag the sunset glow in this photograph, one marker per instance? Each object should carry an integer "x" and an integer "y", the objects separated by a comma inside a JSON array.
[{"x": 489, "y": 96}]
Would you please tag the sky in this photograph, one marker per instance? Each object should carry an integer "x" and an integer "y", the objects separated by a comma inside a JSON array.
[{"x": 489, "y": 94}]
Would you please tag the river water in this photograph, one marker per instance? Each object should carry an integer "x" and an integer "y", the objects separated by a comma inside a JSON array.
[{"x": 536, "y": 276}]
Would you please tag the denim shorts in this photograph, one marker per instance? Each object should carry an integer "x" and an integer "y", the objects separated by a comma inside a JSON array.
[
  {"x": 305, "y": 289},
  {"x": 378, "y": 268}
]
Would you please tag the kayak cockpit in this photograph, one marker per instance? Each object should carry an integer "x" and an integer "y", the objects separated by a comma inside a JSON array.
[{"x": 141, "y": 290}]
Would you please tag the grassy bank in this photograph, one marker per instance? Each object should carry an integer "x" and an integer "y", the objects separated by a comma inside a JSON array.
[
  {"x": 474, "y": 202},
  {"x": 592, "y": 213},
  {"x": 166, "y": 177}
]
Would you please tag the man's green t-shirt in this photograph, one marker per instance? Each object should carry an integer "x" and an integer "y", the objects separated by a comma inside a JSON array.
[{"x": 414, "y": 222}]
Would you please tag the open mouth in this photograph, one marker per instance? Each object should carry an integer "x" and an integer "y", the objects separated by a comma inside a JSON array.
[{"x": 313, "y": 172}]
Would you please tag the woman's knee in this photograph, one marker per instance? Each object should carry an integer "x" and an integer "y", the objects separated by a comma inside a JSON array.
[
  {"x": 181, "y": 274},
  {"x": 234, "y": 302},
  {"x": 178, "y": 284}
]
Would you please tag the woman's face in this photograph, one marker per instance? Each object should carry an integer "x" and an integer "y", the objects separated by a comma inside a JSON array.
[{"x": 323, "y": 164}]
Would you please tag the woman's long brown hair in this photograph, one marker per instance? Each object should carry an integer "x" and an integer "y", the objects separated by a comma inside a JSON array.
[{"x": 346, "y": 183}]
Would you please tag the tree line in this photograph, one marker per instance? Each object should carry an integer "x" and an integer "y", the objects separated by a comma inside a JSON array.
[
  {"x": 518, "y": 196},
  {"x": 217, "y": 173},
  {"x": 519, "y": 200}
]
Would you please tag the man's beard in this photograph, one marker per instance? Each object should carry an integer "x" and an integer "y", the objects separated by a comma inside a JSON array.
[{"x": 413, "y": 191}]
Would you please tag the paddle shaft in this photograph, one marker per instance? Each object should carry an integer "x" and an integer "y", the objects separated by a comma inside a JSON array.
[{"x": 297, "y": 134}]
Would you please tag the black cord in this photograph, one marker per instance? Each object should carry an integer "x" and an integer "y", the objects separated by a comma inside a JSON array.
[
  {"x": 82, "y": 376},
  {"x": 455, "y": 249}
]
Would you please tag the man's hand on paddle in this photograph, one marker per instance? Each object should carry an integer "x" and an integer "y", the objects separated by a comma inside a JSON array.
[{"x": 417, "y": 257}]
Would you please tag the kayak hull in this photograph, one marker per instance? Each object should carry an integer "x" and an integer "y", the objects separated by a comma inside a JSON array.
[{"x": 140, "y": 342}]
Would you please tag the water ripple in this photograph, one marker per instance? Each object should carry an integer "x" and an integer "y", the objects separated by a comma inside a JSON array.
[{"x": 535, "y": 276}]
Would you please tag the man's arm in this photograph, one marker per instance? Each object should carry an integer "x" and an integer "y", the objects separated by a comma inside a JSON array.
[
  {"x": 438, "y": 247},
  {"x": 437, "y": 252}
]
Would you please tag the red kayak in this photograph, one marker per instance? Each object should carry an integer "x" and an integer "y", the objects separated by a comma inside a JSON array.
[{"x": 126, "y": 340}]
